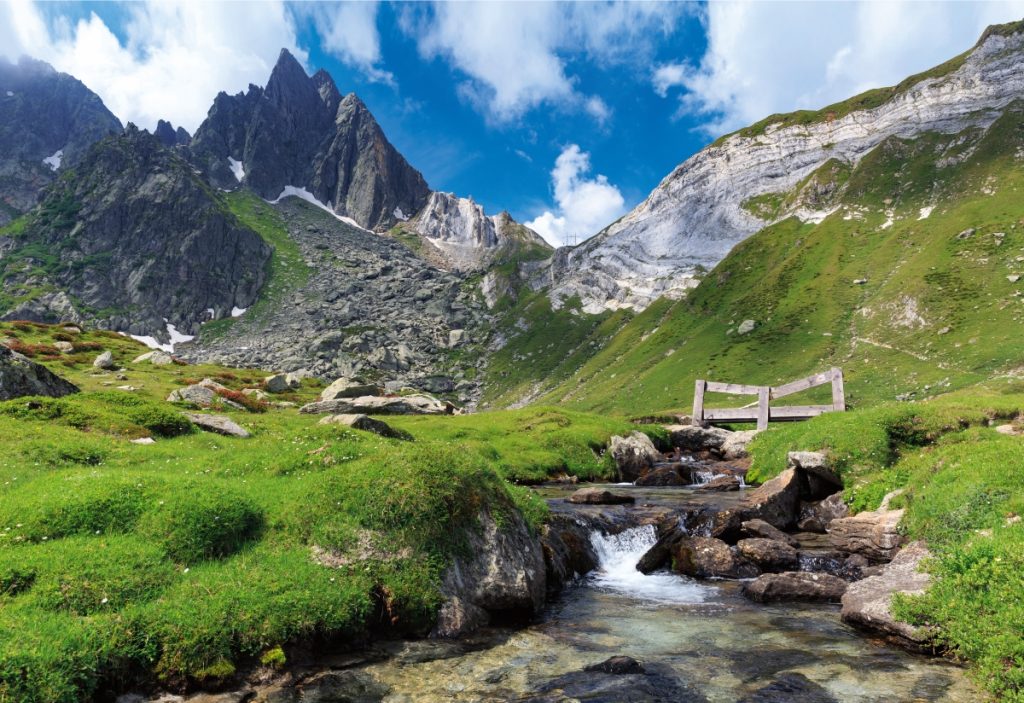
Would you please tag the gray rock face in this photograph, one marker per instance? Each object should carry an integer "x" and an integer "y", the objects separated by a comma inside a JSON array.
[
  {"x": 300, "y": 132},
  {"x": 795, "y": 586},
  {"x": 504, "y": 575},
  {"x": 169, "y": 136},
  {"x": 695, "y": 215},
  {"x": 20, "y": 376},
  {"x": 380, "y": 405},
  {"x": 868, "y": 603},
  {"x": 633, "y": 455},
  {"x": 777, "y": 500},
  {"x": 135, "y": 230},
  {"x": 219, "y": 424},
  {"x": 44, "y": 115},
  {"x": 349, "y": 388}
]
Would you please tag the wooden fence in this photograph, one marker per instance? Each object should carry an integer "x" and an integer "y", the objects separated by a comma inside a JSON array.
[{"x": 762, "y": 412}]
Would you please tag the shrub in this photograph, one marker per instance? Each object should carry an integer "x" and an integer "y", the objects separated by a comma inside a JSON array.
[{"x": 203, "y": 521}]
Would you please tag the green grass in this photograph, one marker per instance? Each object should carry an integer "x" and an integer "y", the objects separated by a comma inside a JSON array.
[
  {"x": 185, "y": 560},
  {"x": 963, "y": 489},
  {"x": 287, "y": 267}
]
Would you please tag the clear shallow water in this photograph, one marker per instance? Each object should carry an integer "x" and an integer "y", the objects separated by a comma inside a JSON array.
[{"x": 714, "y": 641}]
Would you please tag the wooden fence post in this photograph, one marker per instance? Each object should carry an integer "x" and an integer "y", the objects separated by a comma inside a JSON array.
[
  {"x": 698, "y": 402},
  {"x": 762, "y": 407},
  {"x": 838, "y": 393}
]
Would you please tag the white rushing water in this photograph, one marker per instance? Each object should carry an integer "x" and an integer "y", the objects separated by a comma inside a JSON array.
[{"x": 617, "y": 557}]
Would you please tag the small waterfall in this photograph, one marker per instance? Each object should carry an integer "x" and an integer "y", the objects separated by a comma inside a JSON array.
[
  {"x": 617, "y": 556},
  {"x": 702, "y": 477}
]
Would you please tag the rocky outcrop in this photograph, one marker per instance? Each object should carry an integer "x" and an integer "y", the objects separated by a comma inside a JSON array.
[
  {"x": 349, "y": 388},
  {"x": 20, "y": 376},
  {"x": 381, "y": 405},
  {"x": 169, "y": 136},
  {"x": 633, "y": 455},
  {"x": 48, "y": 120},
  {"x": 140, "y": 244},
  {"x": 367, "y": 424},
  {"x": 696, "y": 214},
  {"x": 868, "y": 603},
  {"x": 502, "y": 575},
  {"x": 795, "y": 586}
]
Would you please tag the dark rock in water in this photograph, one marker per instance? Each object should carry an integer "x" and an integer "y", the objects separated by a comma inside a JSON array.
[
  {"x": 822, "y": 480},
  {"x": 795, "y": 586},
  {"x": 706, "y": 557},
  {"x": 568, "y": 552},
  {"x": 725, "y": 524},
  {"x": 599, "y": 496},
  {"x": 633, "y": 455},
  {"x": 817, "y": 516},
  {"x": 768, "y": 554},
  {"x": 694, "y": 438},
  {"x": 20, "y": 376},
  {"x": 721, "y": 483},
  {"x": 769, "y": 661},
  {"x": 660, "y": 554},
  {"x": 617, "y": 665},
  {"x": 653, "y": 684},
  {"x": 790, "y": 688},
  {"x": 760, "y": 528},
  {"x": 671, "y": 475},
  {"x": 849, "y": 567},
  {"x": 501, "y": 576},
  {"x": 347, "y": 686}
]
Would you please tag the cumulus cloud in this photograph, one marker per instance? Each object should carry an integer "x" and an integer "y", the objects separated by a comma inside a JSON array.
[
  {"x": 515, "y": 56},
  {"x": 764, "y": 58},
  {"x": 173, "y": 60},
  {"x": 583, "y": 205},
  {"x": 349, "y": 31}
]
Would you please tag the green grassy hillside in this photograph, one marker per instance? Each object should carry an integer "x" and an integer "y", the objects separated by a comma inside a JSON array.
[
  {"x": 124, "y": 564},
  {"x": 910, "y": 285}
]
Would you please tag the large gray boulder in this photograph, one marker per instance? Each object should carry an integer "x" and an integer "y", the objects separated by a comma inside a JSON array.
[
  {"x": 282, "y": 382},
  {"x": 104, "y": 361},
  {"x": 501, "y": 574},
  {"x": 381, "y": 405},
  {"x": 365, "y": 423},
  {"x": 776, "y": 501},
  {"x": 19, "y": 376},
  {"x": 868, "y": 603},
  {"x": 768, "y": 554},
  {"x": 633, "y": 455},
  {"x": 219, "y": 424},
  {"x": 707, "y": 557},
  {"x": 349, "y": 388},
  {"x": 694, "y": 438},
  {"x": 795, "y": 586},
  {"x": 204, "y": 394},
  {"x": 736, "y": 443},
  {"x": 874, "y": 534}
]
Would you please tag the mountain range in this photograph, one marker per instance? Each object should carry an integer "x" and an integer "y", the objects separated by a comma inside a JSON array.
[{"x": 288, "y": 232}]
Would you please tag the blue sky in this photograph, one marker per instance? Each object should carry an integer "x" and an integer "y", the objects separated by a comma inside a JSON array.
[{"x": 566, "y": 114}]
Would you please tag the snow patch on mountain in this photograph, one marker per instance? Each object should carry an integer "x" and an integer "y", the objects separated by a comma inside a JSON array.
[
  {"x": 237, "y": 168},
  {"x": 54, "y": 160}
]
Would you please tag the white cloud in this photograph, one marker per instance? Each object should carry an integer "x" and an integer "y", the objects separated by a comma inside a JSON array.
[
  {"x": 764, "y": 58},
  {"x": 349, "y": 31},
  {"x": 174, "y": 59},
  {"x": 516, "y": 55},
  {"x": 584, "y": 205}
]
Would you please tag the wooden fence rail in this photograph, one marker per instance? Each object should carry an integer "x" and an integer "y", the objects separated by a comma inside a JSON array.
[{"x": 764, "y": 413}]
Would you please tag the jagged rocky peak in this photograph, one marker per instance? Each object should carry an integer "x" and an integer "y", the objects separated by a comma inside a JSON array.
[
  {"x": 48, "y": 120},
  {"x": 171, "y": 137},
  {"x": 299, "y": 132},
  {"x": 703, "y": 208},
  {"x": 465, "y": 235},
  {"x": 136, "y": 242}
]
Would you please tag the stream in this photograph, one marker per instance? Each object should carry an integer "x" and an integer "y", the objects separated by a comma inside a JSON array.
[{"x": 698, "y": 641}]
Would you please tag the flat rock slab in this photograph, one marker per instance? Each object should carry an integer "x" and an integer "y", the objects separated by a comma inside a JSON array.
[
  {"x": 220, "y": 424},
  {"x": 599, "y": 496},
  {"x": 868, "y": 603},
  {"x": 20, "y": 376},
  {"x": 365, "y": 423},
  {"x": 795, "y": 586},
  {"x": 380, "y": 405}
]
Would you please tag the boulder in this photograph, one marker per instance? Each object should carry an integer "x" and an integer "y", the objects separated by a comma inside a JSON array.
[
  {"x": 282, "y": 382},
  {"x": 255, "y": 393},
  {"x": 381, "y": 405},
  {"x": 204, "y": 394},
  {"x": 795, "y": 586},
  {"x": 633, "y": 455},
  {"x": 20, "y": 376},
  {"x": 104, "y": 361},
  {"x": 660, "y": 553},
  {"x": 776, "y": 501},
  {"x": 499, "y": 575},
  {"x": 736, "y": 443},
  {"x": 706, "y": 557},
  {"x": 873, "y": 534},
  {"x": 617, "y": 665},
  {"x": 868, "y": 603},
  {"x": 694, "y": 438},
  {"x": 790, "y": 687},
  {"x": 817, "y": 516},
  {"x": 64, "y": 347},
  {"x": 721, "y": 483},
  {"x": 620, "y": 679},
  {"x": 760, "y": 528},
  {"x": 156, "y": 357},
  {"x": 768, "y": 554},
  {"x": 365, "y": 423},
  {"x": 671, "y": 475},
  {"x": 349, "y": 388},
  {"x": 598, "y": 496},
  {"x": 220, "y": 424},
  {"x": 822, "y": 480},
  {"x": 568, "y": 551}
]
